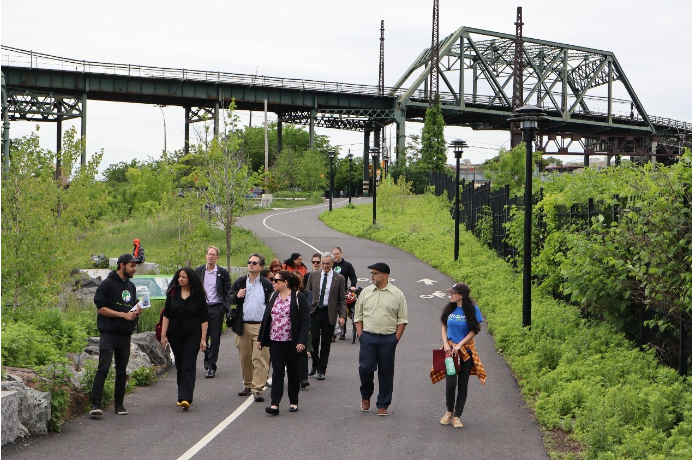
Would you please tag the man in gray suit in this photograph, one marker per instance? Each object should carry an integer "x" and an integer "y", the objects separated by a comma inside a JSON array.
[{"x": 328, "y": 304}]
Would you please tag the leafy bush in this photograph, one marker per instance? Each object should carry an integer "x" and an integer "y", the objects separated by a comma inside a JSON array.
[
  {"x": 580, "y": 376},
  {"x": 143, "y": 376},
  {"x": 23, "y": 345},
  {"x": 55, "y": 379},
  {"x": 87, "y": 382}
]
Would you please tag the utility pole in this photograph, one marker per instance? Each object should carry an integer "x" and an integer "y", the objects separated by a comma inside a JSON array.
[
  {"x": 381, "y": 79},
  {"x": 435, "y": 53}
]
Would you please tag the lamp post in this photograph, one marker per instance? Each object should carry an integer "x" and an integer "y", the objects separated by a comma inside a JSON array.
[
  {"x": 457, "y": 147},
  {"x": 374, "y": 153},
  {"x": 350, "y": 168},
  {"x": 385, "y": 158},
  {"x": 332, "y": 153},
  {"x": 528, "y": 117},
  {"x": 165, "y": 148}
]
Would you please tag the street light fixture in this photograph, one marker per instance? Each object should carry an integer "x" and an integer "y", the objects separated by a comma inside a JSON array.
[
  {"x": 457, "y": 147},
  {"x": 165, "y": 148},
  {"x": 350, "y": 168},
  {"x": 332, "y": 153},
  {"x": 374, "y": 153},
  {"x": 528, "y": 117},
  {"x": 385, "y": 158}
]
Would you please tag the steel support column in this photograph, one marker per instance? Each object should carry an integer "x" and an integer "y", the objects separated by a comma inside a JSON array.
[
  {"x": 279, "y": 135},
  {"x": 5, "y": 129},
  {"x": 84, "y": 127},
  {"x": 58, "y": 150},
  {"x": 216, "y": 119},
  {"x": 400, "y": 120},
  {"x": 366, "y": 161},
  {"x": 187, "y": 130},
  {"x": 313, "y": 116}
]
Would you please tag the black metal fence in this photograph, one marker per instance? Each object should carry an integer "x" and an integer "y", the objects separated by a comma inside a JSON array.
[{"x": 479, "y": 204}]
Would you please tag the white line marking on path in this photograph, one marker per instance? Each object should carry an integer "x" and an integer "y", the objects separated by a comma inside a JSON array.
[
  {"x": 264, "y": 222},
  {"x": 192, "y": 451}
]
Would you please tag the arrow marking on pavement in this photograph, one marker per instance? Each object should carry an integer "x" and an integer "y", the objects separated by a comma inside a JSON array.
[{"x": 427, "y": 281}]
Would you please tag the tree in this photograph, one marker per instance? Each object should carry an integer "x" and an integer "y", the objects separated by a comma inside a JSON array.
[
  {"x": 227, "y": 172},
  {"x": 312, "y": 170},
  {"x": 509, "y": 167},
  {"x": 41, "y": 217},
  {"x": 433, "y": 145},
  {"x": 292, "y": 136}
]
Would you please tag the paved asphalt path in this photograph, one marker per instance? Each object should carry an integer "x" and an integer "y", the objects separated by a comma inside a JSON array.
[{"x": 222, "y": 425}]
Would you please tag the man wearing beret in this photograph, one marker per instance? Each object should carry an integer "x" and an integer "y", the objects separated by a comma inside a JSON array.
[{"x": 380, "y": 318}]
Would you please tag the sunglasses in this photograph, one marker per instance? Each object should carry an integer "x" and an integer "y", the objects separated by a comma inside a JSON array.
[
  {"x": 315, "y": 262},
  {"x": 252, "y": 262},
  {"x": 276, "y": 280}
]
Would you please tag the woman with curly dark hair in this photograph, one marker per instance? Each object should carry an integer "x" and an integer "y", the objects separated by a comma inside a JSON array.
[
  {"x": 461, "y": 320},
  {"x": 185, "y": 328},
  {"x": 284, "y": 330},
  {"x": 295, "y": 264}
]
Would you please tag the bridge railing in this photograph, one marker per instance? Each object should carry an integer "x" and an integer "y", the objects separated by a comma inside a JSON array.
[{"x": 22, "y": 58}]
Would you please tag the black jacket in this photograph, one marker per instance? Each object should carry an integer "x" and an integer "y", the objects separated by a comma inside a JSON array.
[
  {"x": 118, "y": 295},
  {"x": 300, "y": 320},
  {"x": 237, "y": 312},
  {"x": 346, "y": 270},
  {"x": 223, "y": 285}
]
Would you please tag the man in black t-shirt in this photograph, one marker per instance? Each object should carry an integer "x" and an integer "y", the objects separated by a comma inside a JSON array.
[
  {"x": 118, "y": 311},
  {"x": 346, "y": 270}
]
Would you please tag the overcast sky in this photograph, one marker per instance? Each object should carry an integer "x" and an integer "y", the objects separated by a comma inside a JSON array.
[{"x": 333, "y": 41}]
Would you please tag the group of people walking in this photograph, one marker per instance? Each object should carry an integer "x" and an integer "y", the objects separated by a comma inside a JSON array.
[{"x": 278, "y": 315}]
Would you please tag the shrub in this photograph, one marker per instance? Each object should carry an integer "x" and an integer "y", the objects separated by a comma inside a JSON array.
[
  {"x": 143, "y": 376},
  {"x": 23, "y": 345},
  {"x": 55, "y": 379}
]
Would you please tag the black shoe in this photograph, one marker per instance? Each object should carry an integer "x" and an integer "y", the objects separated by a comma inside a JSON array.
[
  {"x": 272, "y": 410},
  {"x": 293, "y": 408},
  {"x": 320, "y": 376},
  {"x": 120, "y": 409},
  {"x": 96, "y": 410},
  {"x": 258, "y": 397},
  {"x": 246, "y": 392},
  {"x": 210, "y": 374},
  {"x": 304, "y": 384},
  {"x": 312, "y": 372}
]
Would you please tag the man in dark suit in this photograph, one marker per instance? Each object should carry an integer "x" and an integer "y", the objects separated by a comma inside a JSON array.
[
  {"x": 217, "y": 286},
  {"x": 328, "y": 304}
]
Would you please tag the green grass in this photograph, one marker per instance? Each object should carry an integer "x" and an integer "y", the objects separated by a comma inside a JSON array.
[
  {"x": 158, "y": 234},
  {"x": 581, "y": 378}
]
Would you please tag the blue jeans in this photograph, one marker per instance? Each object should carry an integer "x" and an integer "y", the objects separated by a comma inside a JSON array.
[{"x": 377, "y": 352}]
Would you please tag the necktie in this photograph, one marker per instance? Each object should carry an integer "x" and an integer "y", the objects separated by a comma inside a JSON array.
[{"x": 324, "y": 286}]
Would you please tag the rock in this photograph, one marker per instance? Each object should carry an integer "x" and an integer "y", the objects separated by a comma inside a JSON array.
[
  {"x": 147, "y": 343},
  {"x": 33, "y": 405},
  {"x": 10, "y": 416}
]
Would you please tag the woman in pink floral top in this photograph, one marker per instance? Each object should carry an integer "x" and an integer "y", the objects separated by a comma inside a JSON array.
[{"x": 284, "y": 330}]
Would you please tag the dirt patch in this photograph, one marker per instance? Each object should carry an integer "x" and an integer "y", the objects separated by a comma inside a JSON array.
[{"x": 560, "y": 445}]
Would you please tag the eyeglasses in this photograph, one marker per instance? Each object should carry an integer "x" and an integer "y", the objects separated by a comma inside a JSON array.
[
  {"x": 276, "y": 280},
  {"x": 252, "y": 262},
  {"x": 315, "y": 262},
  {"x": 375, "y": 274},
  {"x": 212, "y": 255}
]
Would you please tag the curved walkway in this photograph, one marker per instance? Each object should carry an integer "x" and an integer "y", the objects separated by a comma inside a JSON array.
[{"x": 222, "y": 425}]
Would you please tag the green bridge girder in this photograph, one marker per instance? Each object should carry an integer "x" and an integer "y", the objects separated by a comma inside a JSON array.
[{"x": 581, "y": 90}]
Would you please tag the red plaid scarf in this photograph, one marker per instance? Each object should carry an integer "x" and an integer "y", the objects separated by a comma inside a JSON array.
[{"x": 477, "y": 369}]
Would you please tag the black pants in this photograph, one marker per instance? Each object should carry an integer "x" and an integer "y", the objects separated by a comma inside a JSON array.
[
  {"x": 321, "y": 331},
  {"x": 185, "y": 349},
  {"x": 111, "y": 345},
  {"x": 303, "y": 366},
  {"x": 463, "y": 378},
  {"x": 211, "y": 354},
  {"x": 284, "y": 360}
]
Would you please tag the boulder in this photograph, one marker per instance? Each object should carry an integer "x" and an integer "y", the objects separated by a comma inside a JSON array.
[
  {"x": 33, "y": 405},
  {"x": 158, "y": 356},
  {"x": 10, "y": 416}
]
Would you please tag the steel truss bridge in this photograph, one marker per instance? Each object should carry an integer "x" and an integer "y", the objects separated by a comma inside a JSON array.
[{"x": 591, "y": 106}]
